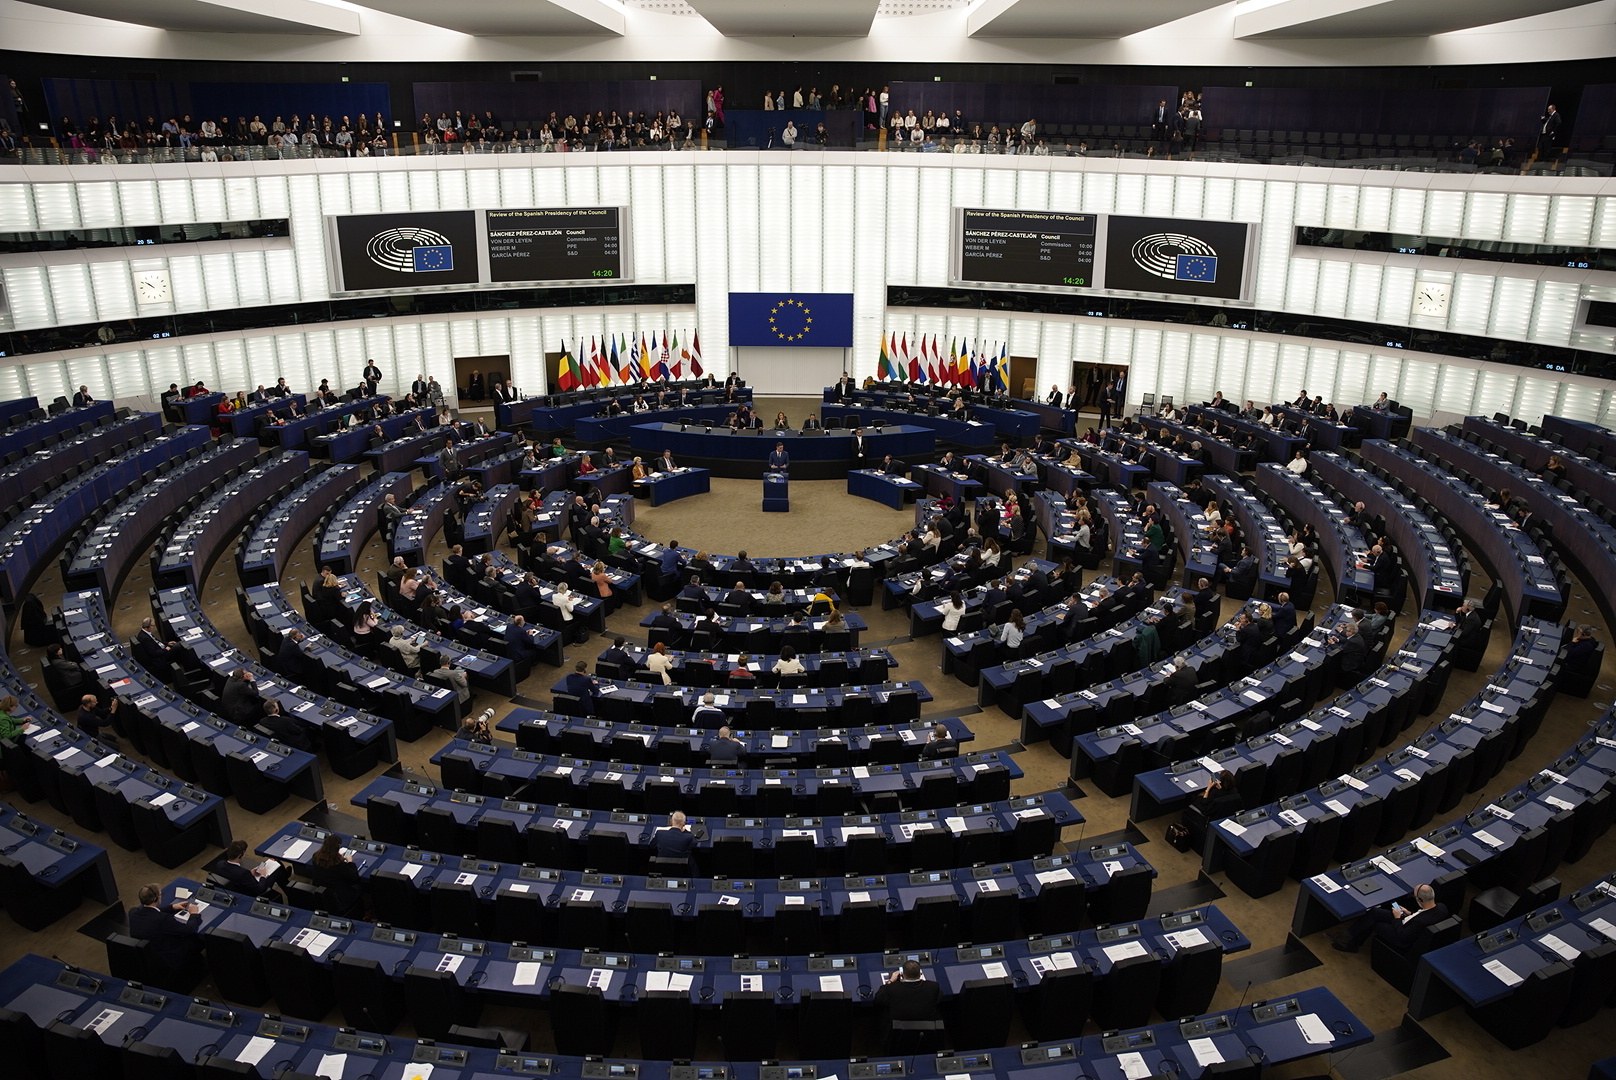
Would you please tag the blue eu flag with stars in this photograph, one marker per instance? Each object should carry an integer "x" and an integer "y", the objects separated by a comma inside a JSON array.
[
  {"x": 1196, "y": 268},
  {"x": 433, "y": 257}
]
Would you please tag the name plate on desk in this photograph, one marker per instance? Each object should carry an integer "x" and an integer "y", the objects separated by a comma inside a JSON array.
[
  {"x": 594, "y": 1069},
  {"x": 930, "y": 877},
  {"x": 594, "y": 959},
  {"x": 681, "y": 963},
  {"x": 530, "y": 954},
  {"x": 867, "y": 1070},
  {"x": 964, "y": 1063},
  {"x": 522, "y": 1064}
]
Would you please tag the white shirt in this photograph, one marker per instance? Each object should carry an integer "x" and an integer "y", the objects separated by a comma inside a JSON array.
[
  {"x": 951, "y": 615},
  {"x": 660, "y": 663},
  {"x": 1297, "y": 465}
]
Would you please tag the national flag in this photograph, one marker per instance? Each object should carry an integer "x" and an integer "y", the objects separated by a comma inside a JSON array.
[
  {"x": 695, "y": 355},
  {"x": 594, "y": 359},
  {"x": 962, "y": 370},
  {"x": 948, "y": 371},
  {"x": 603, "y": 364},
  {"x": 916, "y": 372},
  {"x": 1004, "y": 367},
  {"x": 566, "y": 371},
  {"x": 881, "y": 368},
  {"x": 630, "y": 370},
  {"x": 587, "y": 376},
  {"x": 678, "y": 358},
  {"x": 645, "y": 358}
]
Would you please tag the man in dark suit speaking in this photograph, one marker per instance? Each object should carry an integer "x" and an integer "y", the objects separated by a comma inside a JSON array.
[{"x": 1398, "y": 926}]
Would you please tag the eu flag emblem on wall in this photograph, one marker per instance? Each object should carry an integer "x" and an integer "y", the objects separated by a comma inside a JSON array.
[
  {"x": 433, "y": 257},
  {"x": 1196, "y": 268},
  {"x": 816, "y": 320}
]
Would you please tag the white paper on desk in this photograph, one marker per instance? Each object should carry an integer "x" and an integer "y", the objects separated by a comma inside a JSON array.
[
  {"x": 1558, "y": 803},
  {"x": 1325, "y": 882},
  {"x": 410, "y": 870},
  {"x": 465, "y": 879},
  {"x": 1566, "y": 951},
  {"x": 1502, "y": 972},
  {"x": 1111, "y": 868},
  {"x": 850, "y": 831},
  {"x": 417, "y": 1070},
  {"x": 1133, "y": 1066},
  {"x": 1123, "y": 951},
  {"x": 63, "y": 755},
  {"x": 254, "y": 1051},
  {"x": 830, "y": 984},
  {"x": 451, "y": 962},
  {"x": 1336, "y": 806},
  {"x": 987, "y": 885},
  {"x": 108, "y": 760},
  {"x": 103, "y": 1020},
  {"x": 751, "y": 983},
  {"x": 1300, "y": 658},
  {"x": 331, "y": 1066},
  {"x": 861, "y": 772},
  {"x": 995, "y": 970},
  {"x": 298, "y": 848},
  {"x": 1425, "y": 847},
  {"x": 601, "y": 979},
  {"x": 1188, "y": 939},
  {"x": 1311, "y": 725},
  {"x": 955, "y": 824},
  {"x": 1487, "y": 838},
  {"x": 729, "y": 901},
  {"x": 1604, "y": 927},
  {"x": 527, "y": 973},
  {"x": 1291, "y": 817},
  {"x": 164, "y": 799},
  {"x": 1384, "y": 865},
  {"x": 1232, "y": 827},
  {"x": 1206, "y": 1052},
  {"x": 1313, "y": 1030},
  {"x": 1053, "y": 703},
  {"x": 858, "y": 898},
  {"x": 1352, "y": 782},
  {"x": 1049, "y": 877}
]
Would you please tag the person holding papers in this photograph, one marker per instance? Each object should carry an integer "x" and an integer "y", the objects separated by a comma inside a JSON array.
[
  {"x": 333, "y": 869},
  {"x": 1398, "y": 926},
  {"x": 261, "y": 880},
  {"x": 172, "y": 932},
  {"x": 908, "y": 996},
  {"x": 674, "y": 841}
]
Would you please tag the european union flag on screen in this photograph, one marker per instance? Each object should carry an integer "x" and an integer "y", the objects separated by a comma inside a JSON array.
[
  {"x": 433, "y": 257},
  {"x": 794, "y": 319},
  {"x": 1196, "y": 268}
]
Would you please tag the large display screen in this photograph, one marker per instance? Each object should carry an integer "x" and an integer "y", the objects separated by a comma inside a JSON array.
[
  {"x": 1015, "y": 247},
  {"x": 555, "y": 245},
  {"x": 406, "y": 251},
  {"x": 431, "y": 249},
  {"x": 1177, "y": 256}
]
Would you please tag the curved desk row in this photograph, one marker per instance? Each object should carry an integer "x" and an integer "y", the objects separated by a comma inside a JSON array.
[
  {"x": 25, "y": 479},
  {"x": 559, "y": 414},
  {"x": 124, "y": 528},
  {"x": 193, "y": 545},
  {"x": 30, "y": 436},
  {"x": 679, "y": 749},
  {"x": 179, "y": 735},
  {"x": 355, "y": 741},
  {"x": 1115, "y": 755},
  {"x": 1054, "y": 894},
  {"x": 1440, "y": 571},
  {"x": 814, "y": 455},
  {"x": 1271, "y": 443},
  {"x": 137, "y": 806},
  {"x": 47, "y": 872},
  {"x": 950, "y": 427},
  {"x": 1259, "y": 530},
  {"x": 251, "y": 422},
  {"x": 265, "y": 549},
  {"x": 1513, "y": 558},
  {"x": 1220, "y": 454},
  {"x": 350, "y": 443},
  {"x": 301, "y": 431},
  {"x": 356, "y": 519},
  {"x": 777, "y": 789},
  {"x": 28, "y": 540},
  {"x": 1342, "y": 545},
  {"x": 1188, "y": 535},
  {"x": 1543, "y": 820},
  {"x": 1331, "y": 739}
]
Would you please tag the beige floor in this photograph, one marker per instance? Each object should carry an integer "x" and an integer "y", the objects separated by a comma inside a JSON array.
[{"x": 824, "y": 518}]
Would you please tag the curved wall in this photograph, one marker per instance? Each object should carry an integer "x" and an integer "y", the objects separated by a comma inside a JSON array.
[{"x": 824, "y": 222}]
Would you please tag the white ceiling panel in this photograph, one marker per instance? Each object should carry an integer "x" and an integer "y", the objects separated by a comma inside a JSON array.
[
  {"x": 510, "y": 18},
  {"x": 222, "y": 16},
  {"x": 1076, "y": 18},
  {"x": 771, "y": 18},
  {"x": 1381, "y": 18}
]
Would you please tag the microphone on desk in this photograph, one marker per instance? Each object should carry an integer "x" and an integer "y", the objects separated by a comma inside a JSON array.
[{"x": 1243, "y": 994}]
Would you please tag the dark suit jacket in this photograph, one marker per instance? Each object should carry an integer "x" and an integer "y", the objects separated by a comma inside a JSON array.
[
  {"x": 724, "y": 752},
  {"x": 1207, "y": 602},
  {"x": 1354, "y": 654},
  {"x": 1400, "y": 935},
  {"x": 672, "y": 843},
  {"x": 919, "y": 1000},
  {"x": 240, "y": 879},
  {"x": 172, "y": 941}
]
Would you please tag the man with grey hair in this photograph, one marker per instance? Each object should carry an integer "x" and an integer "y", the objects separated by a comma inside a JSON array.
[{"x": 1398, "y": 926}]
